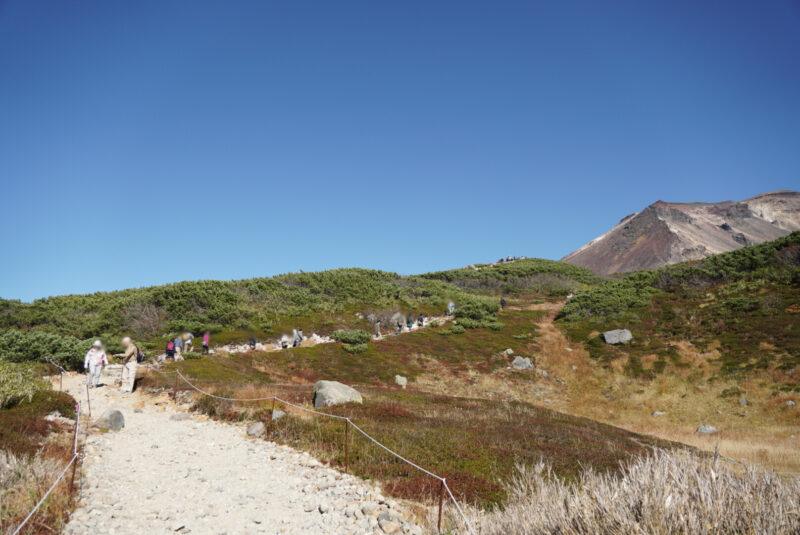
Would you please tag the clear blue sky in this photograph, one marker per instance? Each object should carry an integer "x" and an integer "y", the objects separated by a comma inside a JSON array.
[{"x": 153, "y": 141}]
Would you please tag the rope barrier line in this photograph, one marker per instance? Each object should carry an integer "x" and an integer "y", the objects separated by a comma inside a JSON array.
[
  {"x": 58, "y": 479},
  {"x": 357, "y": 428}
]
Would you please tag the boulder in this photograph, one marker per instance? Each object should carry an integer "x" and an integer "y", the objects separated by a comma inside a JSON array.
[
  {"x": 277, "y": 415},
  {"x": 706, "y": 429},
  {"x": 327, "y": 393},
  {"x": 111, "y": 419},
  {"x": 617, "y": 336},
  {"x": 256, "y": 430},
  {"x": 401, "y": 380},
  {"x": 790, "y": 403},
  {"x": 522, "y": 363}
]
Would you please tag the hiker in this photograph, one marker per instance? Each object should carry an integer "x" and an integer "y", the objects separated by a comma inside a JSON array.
[
  {"x": 129, "y": 364},
  {"x": 284, "y": 342},
  {"x": 252, "y": 343},
  {"x": 170, "y": 349},
  {"x": 410, "y": 321},
  {"x": 301, "y": 335},
  {"x": 94, "y": 362},
  {"x": 502, "y": 303},
  {"x": 421, "y": 321},
  {"x": 178, "y": 348},
  {"x": 206, "y": 340},
  {"x": 451, "y": 308},
  {"x": 187, "y": 342},
  {"x": 399, "y": 327},
  {"x": 378, "y": 329},
  {"x": 297, "y": 337}
]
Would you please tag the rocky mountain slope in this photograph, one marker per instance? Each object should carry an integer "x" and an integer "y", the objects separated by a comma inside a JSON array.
[{"x": 667, "y": 233}]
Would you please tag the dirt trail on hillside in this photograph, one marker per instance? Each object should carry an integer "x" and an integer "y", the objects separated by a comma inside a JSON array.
[{"x": 168, "y": 471}]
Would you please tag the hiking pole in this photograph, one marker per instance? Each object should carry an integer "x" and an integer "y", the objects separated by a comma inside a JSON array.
[{"x": 88, "y": 400}]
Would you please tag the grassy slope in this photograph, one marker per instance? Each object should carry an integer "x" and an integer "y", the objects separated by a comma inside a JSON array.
[{"x": 742, "y": 307}]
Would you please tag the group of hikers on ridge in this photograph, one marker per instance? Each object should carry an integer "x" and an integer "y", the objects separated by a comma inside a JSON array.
[{"x": 183, "y": 343}]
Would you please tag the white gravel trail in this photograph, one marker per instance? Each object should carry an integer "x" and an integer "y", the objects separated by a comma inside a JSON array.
[{"x": 173, "y": 472}]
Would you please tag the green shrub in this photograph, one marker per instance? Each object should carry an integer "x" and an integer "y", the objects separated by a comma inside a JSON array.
[
  {"x": 355, "y": 336},
  {"x": 17, "y": 346},
  {"x": 191, "y": 355},
  {"x": 18, "y": 382},
  {"x": 355, "y": 348},
  {"x": 454, "y": 329}
]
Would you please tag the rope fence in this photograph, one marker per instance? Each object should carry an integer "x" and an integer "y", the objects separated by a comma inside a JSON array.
[
  {"x": 73, "y": 463},
  {"x": 444, "y": 488}
]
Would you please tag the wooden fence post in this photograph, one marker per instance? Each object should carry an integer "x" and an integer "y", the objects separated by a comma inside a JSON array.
[
  {"x": 346, "y": 450},
  {"x": 75, "y": 461},
  {"x": 175, "y": 388},
  {"x": 441, "y": 500},
  {"x": 271, "y": 415}
]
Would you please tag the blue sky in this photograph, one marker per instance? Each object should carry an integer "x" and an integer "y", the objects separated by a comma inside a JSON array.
[{"x": 148, "y": 142}]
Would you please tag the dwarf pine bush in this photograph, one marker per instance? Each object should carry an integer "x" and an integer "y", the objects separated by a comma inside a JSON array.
[{"x": 18, "y": 382}]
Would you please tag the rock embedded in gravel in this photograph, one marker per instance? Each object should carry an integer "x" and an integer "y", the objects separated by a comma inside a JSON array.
[
  {"x": 178, "y": 416},
  {"x": 110, "y": 419},
  {"x": 256, "y": 429},
  {"x": 389, "y": 526},
  {"x": 706, "y": 429},
  {"x": 369, "y": 508}
]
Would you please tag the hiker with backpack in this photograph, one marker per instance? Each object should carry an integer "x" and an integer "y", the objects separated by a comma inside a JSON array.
[
  {"x": 252, "y": 343},
  {"x": 178, "y": 348},
  {"x": 94, "y": 362},
  {"x": 206, "y": 341},
  {"x": 410, "y": 322},
  {"x": 170, "y": 349},
  {"x": 187, "y": 342},
  {"x": 502, "y": 303},
  {"x": 130, "y": 362}
]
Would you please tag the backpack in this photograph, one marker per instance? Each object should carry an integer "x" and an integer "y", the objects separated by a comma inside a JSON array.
[
  {"x": 171, "y": 345},
  {"x": 140, "y": 356}
]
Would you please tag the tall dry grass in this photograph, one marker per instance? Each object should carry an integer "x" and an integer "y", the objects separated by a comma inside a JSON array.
[
  {"x": 665, "y": 493},
  {"x": 23, "y": 480}
]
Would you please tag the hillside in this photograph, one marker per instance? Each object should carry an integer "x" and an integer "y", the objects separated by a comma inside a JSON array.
[
  {"x": 668, "y": 233},
  {"x": 265, "y": 308},
  {"x": 740, "y": 307}
]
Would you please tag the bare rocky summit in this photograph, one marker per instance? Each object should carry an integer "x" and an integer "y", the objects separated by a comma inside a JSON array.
[{"x": 668, "y": 233}]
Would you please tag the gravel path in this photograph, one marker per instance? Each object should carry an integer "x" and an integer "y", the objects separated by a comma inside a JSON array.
[{"x": 171, "y": 472}]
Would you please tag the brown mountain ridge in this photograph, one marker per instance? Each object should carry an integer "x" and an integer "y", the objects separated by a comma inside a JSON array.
[{"x": 667, "y": 233}]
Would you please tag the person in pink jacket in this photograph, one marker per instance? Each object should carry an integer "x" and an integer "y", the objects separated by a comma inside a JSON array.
[{"x": 95, "y": 360}]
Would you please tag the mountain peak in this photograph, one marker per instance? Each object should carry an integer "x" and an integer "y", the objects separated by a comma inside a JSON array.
[{"x": 670, "y": 232}]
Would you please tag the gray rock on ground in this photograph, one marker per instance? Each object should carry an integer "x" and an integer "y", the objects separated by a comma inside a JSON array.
[
  {"x": 277, "y": 415},
  {"x": 509, "y": 351},
  {"x": 743, "y": 402},
  {"x": 328, "y": 393},
  {"x": 256, "y": 429},
  {"x": 657, "y": 413},
  {"x": 706, "y": 429},
  {"x": 790, "y": 403},
  {"x": 617, "y": 336},
  {"x": 110, "y": 419},
  {"x": 401, "y": 380},
  {"x": 522, "y": 363}
]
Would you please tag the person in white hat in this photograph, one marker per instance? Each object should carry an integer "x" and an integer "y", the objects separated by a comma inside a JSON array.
[{"x": 95, "y": 360}]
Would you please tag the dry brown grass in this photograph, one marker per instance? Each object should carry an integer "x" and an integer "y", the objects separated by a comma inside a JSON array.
[
  {"x": 23, "y": 481},
  {"x": 665, "y": 493}
]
